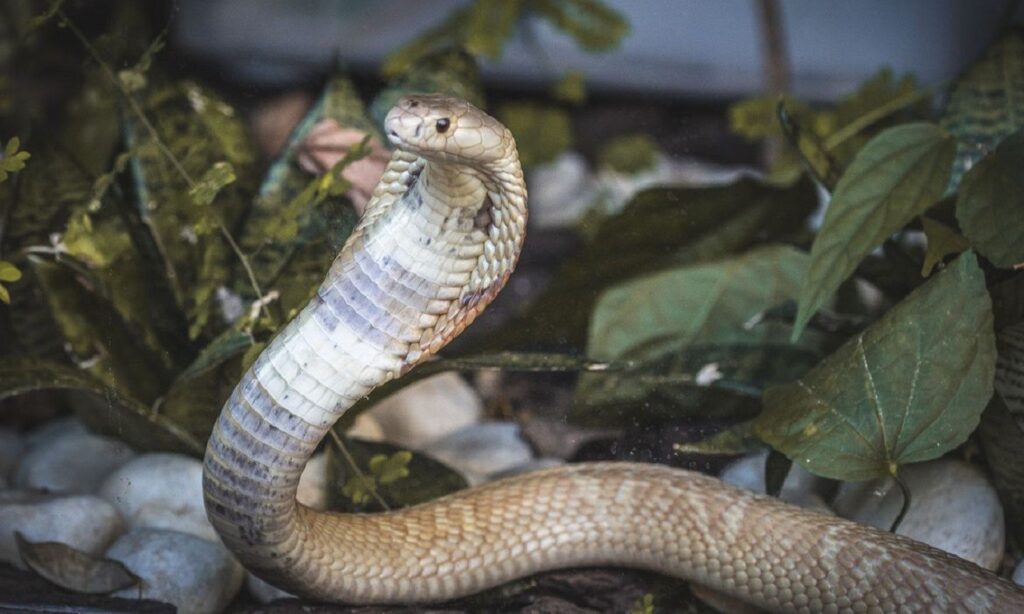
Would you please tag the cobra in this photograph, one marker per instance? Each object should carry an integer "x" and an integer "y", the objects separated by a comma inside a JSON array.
[{"x": 439, "y": 238}]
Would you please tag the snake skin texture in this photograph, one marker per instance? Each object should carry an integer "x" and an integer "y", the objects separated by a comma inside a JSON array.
[{"x": 439, "y": 238}]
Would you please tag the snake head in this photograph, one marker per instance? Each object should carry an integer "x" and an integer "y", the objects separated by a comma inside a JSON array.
[{"x": 446, "y": 129}]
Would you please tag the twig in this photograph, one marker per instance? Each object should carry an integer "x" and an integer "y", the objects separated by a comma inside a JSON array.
[
  {"x": 906, "y": 501},
  {"x": 776, "y": 65},
  {"x": 370, "y": 484}
]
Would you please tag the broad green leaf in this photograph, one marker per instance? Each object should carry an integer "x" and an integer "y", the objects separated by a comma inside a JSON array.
[
  {"x": 700, "y": 335},
  {"x": 119, "y": 414},
  {"x": 704, "y": 303},
  {"x": 898, "y": 175},
  {"x": 942, "y": 241},
  {"x": 541, "y": 131},
  {"x": 426, "y": 479},
  {"x": 73, "y": 569},
  {"x": 909, "y": 388},
  {"x": 660, "y": 228},
  {"x": 990, "y": 205},
  {"x": 986, "y": 104}
]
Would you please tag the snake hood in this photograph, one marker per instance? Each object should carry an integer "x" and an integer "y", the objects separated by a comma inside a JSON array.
[{"x": 445, "y": 129}]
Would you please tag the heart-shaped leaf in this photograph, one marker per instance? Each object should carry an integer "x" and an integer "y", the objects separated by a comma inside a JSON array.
[
  {"x": 990, "y": 206},
  {"x": 909, "y": 388}
]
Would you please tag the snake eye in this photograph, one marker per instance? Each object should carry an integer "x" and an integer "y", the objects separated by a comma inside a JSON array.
[{"x": 442, "y": 125}]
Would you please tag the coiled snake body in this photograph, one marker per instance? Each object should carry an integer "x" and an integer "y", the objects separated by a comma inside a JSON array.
[{"x": 439, "y": 238}]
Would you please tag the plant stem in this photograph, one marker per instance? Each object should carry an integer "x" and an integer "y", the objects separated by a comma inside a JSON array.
[{"x": 371, "y": 484}]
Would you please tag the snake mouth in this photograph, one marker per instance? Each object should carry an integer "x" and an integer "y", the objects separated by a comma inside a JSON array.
[{"x": 394, "y": 138}]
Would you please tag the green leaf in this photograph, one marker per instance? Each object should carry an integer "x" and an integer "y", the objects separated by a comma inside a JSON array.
[
  {"x": 942, "y": 241},
  {"x": 986, "y": 104},
  {"x": 898, "y": 175},
  {"x": 700, "y": 335},
  {"x": 425, "y": 479},
  {"x": 213, "y": 180},
  {"x": 120, "y": 414},
  {"x": 630, "y": 154},
  {"x": 8, "y": 272},
  {"x": 706, "y": 303},
  {"x": 660, "y": 228},
  {"x": 12, "y": 160},
  {"x": 990, "y": 205},
  {"x": 734, "y": 440},
  {"x": 490, "y": 24},
  {"x": 909, "y": 388},
  {"x": 388, "y": 469},
  {"x": 542, "y": 132}
]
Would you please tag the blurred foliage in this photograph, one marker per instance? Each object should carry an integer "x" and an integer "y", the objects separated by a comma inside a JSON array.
[
  {"x": 157, "y": 263},
  {"x": 484, "y": 27},
  {"x": 630, "y": 154}
]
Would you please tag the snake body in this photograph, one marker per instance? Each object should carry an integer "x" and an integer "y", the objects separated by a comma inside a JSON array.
[{"x": 439, "y": 238}]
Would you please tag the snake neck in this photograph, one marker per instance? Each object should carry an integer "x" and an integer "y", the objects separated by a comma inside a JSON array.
[{"x": 435, "y": 245}]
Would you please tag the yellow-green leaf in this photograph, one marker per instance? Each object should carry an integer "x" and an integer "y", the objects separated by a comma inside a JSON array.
[{"x": 388, "y": 469}]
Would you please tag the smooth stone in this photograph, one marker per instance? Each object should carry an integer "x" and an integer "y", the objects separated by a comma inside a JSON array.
[
  {"x": 11, "y": 447},
  {"x": 70, "y": 462},
  {"x": 366, "y": 427},
  {"x": 53, "y": 430},
  {"x": 560, "y": 191},
  {"x": 427, "y": 410},
  {"x": 160, "y": 490},
  {"x": 480, "y": 450},
  {"x": 312, "y": 490},
  {"x": 263, "y": 591},
  {"x": 193, "y": 574},
  {"x": 953, "y": 508},
  {"x": 85, "y": 522},
  {"x": 799, "y": 488},
  {"x": 1018, "y": 574}
]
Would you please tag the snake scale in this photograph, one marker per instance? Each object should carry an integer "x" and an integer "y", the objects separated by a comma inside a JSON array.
[{"x": 439, "y": 238}]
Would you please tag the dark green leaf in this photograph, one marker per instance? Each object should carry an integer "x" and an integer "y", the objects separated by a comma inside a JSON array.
[
  {"x": 895, "y": 177},
  {"x": 987, "y": 103},
  {"x": 660, "y": 228},
  {"x": 942, "y": 241},
  {"x": 630, "y": 154},
  {"x": 119, "y": 414},
  {"x": 909, "y": 388},
  {"x": 73, "y": 569},
  {"x": 990, "y": 206},
  {"x": 734, "y": 440},
  {"x": 594, "y": 25}
]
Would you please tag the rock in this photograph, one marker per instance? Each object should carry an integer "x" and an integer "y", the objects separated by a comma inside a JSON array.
[
  {"x": 162, "y": 491},
  {"x": 70, "y": 461},
  {"x": 264, "y": 592},
  {"x": 193, "y": 574},
  {"x": 11, "y": 447},
  {"x": 560, "y": 191},
  {"x": 480, "y": 450},
  {"x": 366, "y": 427},
  {"x": 953, "y": 508},
  {"x": 1018, "y": 573},
  {"x": 798, "y": 489},
  {"x": 427, "y": 410},
  {"x": 53, "y": 430},
  {"x": 312, "y": 490},
  {"x": 85, "y": 522}
]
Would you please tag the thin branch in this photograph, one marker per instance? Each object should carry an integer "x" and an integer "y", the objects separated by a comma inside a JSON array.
[
  {"x": 906, "y": 501},
  {"x": 369, "y": 483}
]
